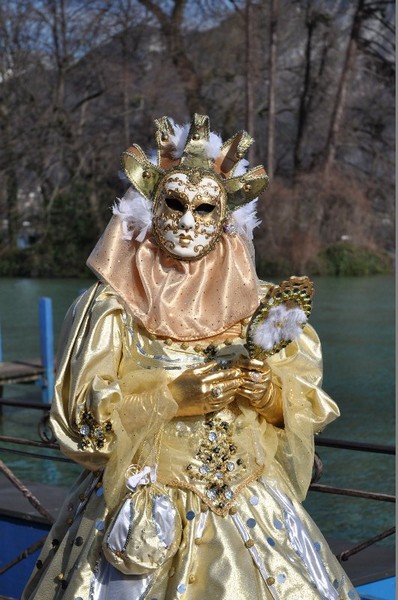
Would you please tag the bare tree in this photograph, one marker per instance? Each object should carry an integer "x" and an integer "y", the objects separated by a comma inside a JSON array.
[
  {"x": 273, "y": 43},
  {"x": 80, "y": 81},
  {"x": 342, "y": 87},
  {"x": 249, "y": 72},
  {"x": 314, "y": 16},
  {"x": 171, "y": 26},
  {"x": 14, "y": 103}
]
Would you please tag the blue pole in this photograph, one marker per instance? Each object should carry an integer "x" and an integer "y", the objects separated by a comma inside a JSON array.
[{"x": 46, "y": 347}]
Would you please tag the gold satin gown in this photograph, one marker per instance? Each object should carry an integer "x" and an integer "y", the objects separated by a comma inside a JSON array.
[{"x": 235, "y": 480}]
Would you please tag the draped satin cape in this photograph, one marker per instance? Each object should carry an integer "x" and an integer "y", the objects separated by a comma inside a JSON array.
[{"x": 261, "y": 543}]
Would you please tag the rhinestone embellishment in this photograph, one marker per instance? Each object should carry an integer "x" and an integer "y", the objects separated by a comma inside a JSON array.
[
  {"x": 91, "y": 432},
  {"x": 218, "y": 469},
  {"x": 216, "y": 391},
  {"x": 85, "y": 430}
]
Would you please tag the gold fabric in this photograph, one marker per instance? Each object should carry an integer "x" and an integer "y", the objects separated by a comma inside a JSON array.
[
  {"x": 114, "y": 368},
  {"x": 215, "y": 564},
  {"x": 174, "y": 298}
]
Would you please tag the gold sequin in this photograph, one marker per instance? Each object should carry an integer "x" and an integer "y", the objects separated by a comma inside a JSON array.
[
  {"x": 249, "y": 543},
  {"x": 191, "y": 578},
  {"x": 270, "y": 580}
]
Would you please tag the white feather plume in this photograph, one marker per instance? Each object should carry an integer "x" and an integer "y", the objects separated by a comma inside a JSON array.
[
  {"x": 245, "y": 219},
  {"x": 281, "y": 324},
  {"x": 179, "y": 138},
  {"x": 241, "y": 167},
  {"x": 136, "y": 215},
  {"x": 214, "y": 144}
]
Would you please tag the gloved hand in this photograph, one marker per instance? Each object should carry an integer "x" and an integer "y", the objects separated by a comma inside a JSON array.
[
  {"x": 205, "y": 389},
  {"x": 258, "y": 388}
]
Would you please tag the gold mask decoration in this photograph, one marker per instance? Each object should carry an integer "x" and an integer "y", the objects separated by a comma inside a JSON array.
[{"x": 192, "y": 193}]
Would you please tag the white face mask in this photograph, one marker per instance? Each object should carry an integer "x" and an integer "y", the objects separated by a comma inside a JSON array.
[{"x": 189, "y": 211}]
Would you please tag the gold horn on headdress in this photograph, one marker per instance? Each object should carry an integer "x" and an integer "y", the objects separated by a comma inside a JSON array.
[
  {"x": 245, "y": 187},
  {"x": 240, "y": 189},
  {"x": 141, "y": 172},
  {"x": 232, "y": 151},
  {"x": 164, "y": 130},
  {"x": 194, "y": 154}
]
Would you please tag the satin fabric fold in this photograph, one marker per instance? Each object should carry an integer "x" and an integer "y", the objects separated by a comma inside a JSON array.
[
  {"x": 183, "y": 300},
  {"x": 145, "y": 532},
  {"x": 212, "y": 561}
]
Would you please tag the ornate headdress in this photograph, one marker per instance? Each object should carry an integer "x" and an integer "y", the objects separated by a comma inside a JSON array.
[
  {"x": 188, "y": 201},
  {"x": 190, "y": 158}
]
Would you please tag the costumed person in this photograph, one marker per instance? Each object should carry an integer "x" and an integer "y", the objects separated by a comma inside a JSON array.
[{"x": 190, "y": 392}]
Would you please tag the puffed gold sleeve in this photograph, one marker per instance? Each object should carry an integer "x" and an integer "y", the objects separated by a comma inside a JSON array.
[
  {"x": 87, "y": 387},
  {"x": 307, "y": 409},
  {"x": 104, "y": 406},
  {"x": 297, "y": 370}
]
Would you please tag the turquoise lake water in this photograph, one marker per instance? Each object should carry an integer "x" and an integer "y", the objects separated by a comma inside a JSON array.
[{"x": 355, "y": 320}]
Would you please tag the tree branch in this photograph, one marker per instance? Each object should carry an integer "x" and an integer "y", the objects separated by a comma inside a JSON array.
[
  {"x": 87, "y": 99},
  {"x": 155, "y": 9}
]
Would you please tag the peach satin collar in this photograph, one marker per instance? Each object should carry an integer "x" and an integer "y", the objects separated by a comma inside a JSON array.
[{"x": 173, "y": 298}]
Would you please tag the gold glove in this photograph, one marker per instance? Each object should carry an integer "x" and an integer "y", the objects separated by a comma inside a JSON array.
[
  {"x": 205, "y": 389},
  {"x": 259, "y": 390}
]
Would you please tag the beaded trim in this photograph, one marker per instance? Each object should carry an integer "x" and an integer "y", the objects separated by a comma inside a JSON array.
[{"x": 210, "y": 351}]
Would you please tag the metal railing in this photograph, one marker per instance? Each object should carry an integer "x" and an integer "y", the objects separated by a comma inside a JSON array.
[{"x": 328, "y": 489}]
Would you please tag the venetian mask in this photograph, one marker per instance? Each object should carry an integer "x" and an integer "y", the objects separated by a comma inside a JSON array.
[{"x": 189, "y": 212}]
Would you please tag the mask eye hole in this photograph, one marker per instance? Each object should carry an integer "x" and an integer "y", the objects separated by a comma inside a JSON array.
[
  {"x": 204, "y": 209},
  {"x": 175, "y": 204}
]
